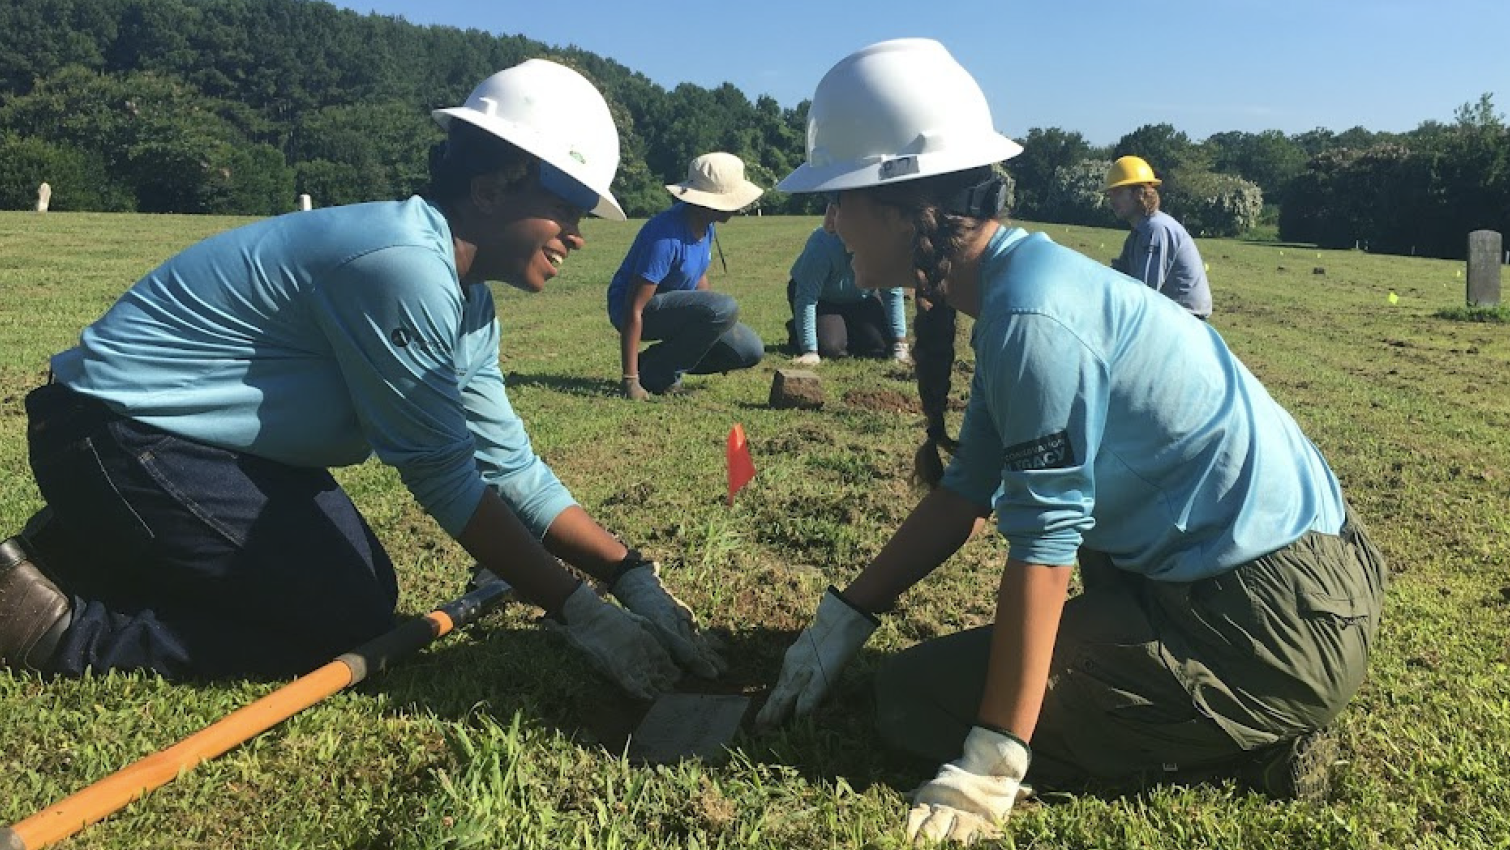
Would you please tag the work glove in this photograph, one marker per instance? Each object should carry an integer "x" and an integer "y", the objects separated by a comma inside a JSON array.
[
  {"x": 641, "y": 591},
  {"x": 631, "y": 388},
  {"x": 813, "y": 663},
  {"x": 971, "y": 796},
  {"x": 899, "y": 352},
  {"x": 807, "y": 358},
  {"x": 621, "y": 644}
]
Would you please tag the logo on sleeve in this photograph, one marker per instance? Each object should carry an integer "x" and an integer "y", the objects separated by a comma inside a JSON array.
[{"x": 1052, "y": 451}]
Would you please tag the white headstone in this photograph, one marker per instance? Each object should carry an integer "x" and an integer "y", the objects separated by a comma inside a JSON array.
[
  {"x": 44, "y": 197},
  {"x": 305, "y": 205}
]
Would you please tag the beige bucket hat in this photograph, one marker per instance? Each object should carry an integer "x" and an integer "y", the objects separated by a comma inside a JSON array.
[{"x": 716, "y": 181}]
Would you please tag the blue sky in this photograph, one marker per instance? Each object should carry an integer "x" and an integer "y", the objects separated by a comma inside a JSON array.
[{"x": 1100, "y": 67}]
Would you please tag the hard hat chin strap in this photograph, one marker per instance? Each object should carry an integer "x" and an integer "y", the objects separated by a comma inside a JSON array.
[{"x": 984, "y": 200}]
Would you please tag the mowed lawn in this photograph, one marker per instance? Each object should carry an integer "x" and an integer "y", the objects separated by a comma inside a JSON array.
[{"x": 503, "y": 737}]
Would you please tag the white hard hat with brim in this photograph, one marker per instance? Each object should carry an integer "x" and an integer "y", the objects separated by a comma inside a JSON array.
[
  {"x": 554, "y": 113},
  {"x": 895, "y": 111}
]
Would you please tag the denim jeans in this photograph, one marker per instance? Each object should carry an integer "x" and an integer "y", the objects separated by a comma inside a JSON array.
[
  {"x": 698, "y": 332},
  {"x": 195, "y": 561}
]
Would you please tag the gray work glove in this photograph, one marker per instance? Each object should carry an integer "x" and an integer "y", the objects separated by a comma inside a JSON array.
[
  {"x": 972, "y": 795},
  {"x": 621, "y": 644},
  {"x": 631, "y": 388},
  {"x": 812, "y": 664},
  {"x": 641, "y": 591}
]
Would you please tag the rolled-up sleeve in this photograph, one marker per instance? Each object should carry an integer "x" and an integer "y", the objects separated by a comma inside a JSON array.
[{"x": 1034, "y": 424}]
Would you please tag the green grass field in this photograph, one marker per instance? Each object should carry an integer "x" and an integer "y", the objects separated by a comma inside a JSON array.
[{"x": 502, "y": 737}]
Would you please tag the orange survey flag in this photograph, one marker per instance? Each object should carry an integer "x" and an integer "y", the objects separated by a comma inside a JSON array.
[{"x": 741, "y": 467}]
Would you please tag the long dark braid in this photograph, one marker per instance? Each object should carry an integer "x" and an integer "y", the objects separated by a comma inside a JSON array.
[{"x": 939, "y": 236}]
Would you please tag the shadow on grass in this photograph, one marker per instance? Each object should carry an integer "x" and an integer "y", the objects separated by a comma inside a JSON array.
[
  {"x": 570, "y": 385},
  {"x": 527, "y": 670}
]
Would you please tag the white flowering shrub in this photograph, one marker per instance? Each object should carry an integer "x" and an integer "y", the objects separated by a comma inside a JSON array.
[{"x": 1211, "y": 204}]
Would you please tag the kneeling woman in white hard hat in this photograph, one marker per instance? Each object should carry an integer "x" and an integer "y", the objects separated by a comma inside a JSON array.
[
  {"x": 1230, "y": 596},
  {"x": 661, "y": 290},
  {"x": 182, "y": 446}
]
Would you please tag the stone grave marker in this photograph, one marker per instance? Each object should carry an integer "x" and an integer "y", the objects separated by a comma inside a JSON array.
[{"x": 1484, "y": 268}]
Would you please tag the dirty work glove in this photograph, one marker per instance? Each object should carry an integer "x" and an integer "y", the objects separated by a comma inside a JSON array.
[
  {"x": 621, "y": 644},
  {"x": 631, "y": 388},
  {"x": 807, "y": 358},
  {"x": 899, "y": 352},
  {"x": 640, "y": 590},
  {"x": 971, "y": 796},
  {"x": 813, "y": 663}
]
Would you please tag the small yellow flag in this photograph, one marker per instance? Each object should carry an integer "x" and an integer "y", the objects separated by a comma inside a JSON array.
[{"x": 1393, "y": 298}]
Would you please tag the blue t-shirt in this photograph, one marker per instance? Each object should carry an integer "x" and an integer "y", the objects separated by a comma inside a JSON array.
[
  {"x": 317, "y": 339},
  {"x": 1104, "y": 414},
  {"x": 1161, "y": 254},
  {"x": 822, "y": 272},
  {"x": 665, "y": 252}
]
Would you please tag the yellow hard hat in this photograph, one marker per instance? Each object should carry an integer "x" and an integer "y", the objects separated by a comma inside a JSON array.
[{"x": 1129, "y": 170}]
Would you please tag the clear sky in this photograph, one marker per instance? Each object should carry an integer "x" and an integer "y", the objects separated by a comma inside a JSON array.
[{"x": 1096, "y": 66}]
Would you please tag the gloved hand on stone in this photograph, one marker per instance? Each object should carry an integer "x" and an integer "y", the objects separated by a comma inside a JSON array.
[
  {"x": 972, "y": 795},
  {"x": 812, "y": 664},
  {"x": 807, "y": 358},
  {"x": 900, "y": 353},
  {"x": 632, "y": 389},
  {"x": 621, "y": 644},
  {"x": 641, "y": 591}
]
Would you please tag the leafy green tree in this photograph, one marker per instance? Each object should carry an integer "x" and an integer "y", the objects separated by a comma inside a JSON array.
[
  {"x": 78, "y": 178},
  {"x": 1164, "y": 147},
  {"x": 1269, "y": 159},
  {"x": 1044, "y": 152}
]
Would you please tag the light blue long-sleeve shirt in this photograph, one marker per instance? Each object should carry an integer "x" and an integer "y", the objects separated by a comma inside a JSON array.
[
  {"x": 1103, "y": 414},
  {"x": 822, "y": 272},
  {"x": 318, "y": 339},
  {"x": 1161, "y": 254}
]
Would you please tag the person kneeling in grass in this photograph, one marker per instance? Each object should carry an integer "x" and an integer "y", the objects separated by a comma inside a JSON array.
[
  {"x": 1230, "y": 596},
  {"x": 661, "y": 290},
  {"x": 833, "y": 318},
  {"x": 182, "y": 446}
]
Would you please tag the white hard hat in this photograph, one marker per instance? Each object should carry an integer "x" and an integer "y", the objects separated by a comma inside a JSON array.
[
  {"x": 553, "y": 112},
  {"x": 894, "y": 111}
]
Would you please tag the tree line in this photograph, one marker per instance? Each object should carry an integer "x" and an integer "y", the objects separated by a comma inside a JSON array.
[{"x": 238, "y": 106}]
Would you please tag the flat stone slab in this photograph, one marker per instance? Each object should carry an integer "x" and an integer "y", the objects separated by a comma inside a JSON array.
[{"x": 688, "y": 726}]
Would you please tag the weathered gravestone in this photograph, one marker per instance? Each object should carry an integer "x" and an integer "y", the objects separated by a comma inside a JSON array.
[
  {"x": 796, "y": 388},
  {"x": 1484, "y": 268},
  {"x": 44, "y": 197},
  {"x": 688, "y": 726}
]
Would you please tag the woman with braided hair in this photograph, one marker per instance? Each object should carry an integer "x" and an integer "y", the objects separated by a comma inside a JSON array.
[{"x": 1230, "y": 597}]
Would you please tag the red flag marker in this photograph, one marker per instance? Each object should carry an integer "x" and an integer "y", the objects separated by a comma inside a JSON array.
[{"x": 741, "y": 467}]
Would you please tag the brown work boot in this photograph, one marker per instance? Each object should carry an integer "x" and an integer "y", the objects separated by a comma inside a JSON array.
[
  {"x": 1297, "y": 769},
  {"x": 34, "y": 614}
]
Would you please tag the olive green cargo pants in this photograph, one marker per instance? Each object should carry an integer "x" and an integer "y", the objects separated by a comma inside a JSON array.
[{"x": 1150, "y": 678}]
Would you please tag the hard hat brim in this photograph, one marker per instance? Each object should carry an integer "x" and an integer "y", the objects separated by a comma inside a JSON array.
[
  {"x": 1132, "y": 182},
  {"x": 876, "y": 171},
  {"x": 533, "y": 143}
]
